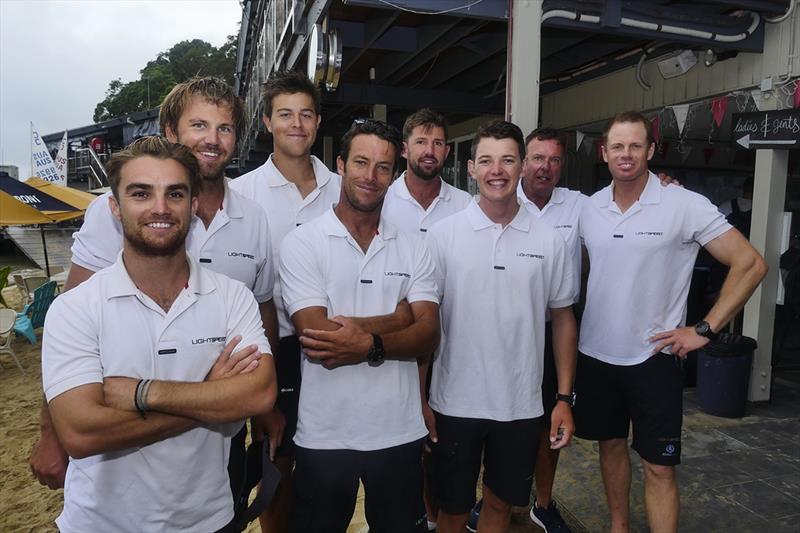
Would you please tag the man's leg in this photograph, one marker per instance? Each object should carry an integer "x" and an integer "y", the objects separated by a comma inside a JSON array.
[
  {"x": 324, "y": 492},
  {"x": 454, "y": 468},
  {"x": 495, "y": 513},
  {"x": 545, "y": 475},
  {"x": 661, "y": 497},
  {"x": 287, "y": 370},
  {"x": 393, "y": 489},
  {"x": 615, "y": 465}
]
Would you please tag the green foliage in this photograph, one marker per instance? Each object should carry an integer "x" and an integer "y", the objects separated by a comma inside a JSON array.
[
  {"x": 4, "y": 272},
  {"x": 179, "y": 63}
]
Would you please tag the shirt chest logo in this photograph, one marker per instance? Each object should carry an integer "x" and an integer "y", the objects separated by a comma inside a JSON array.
[
  {"x": 649, "y": 233},
  {"x": 530, "y": 255},
  {"x": 397, "y": 274},
  {"x": 241, "y": 254},
  {"x": 209, "y": 340}
]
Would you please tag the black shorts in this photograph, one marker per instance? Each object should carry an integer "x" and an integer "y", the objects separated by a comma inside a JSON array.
[
  {"x": 325, "y": 486},
  {"x": 287, "y": 372},
  {"x": 649, "y": 395},
  {"x": 509, "y": 457}
]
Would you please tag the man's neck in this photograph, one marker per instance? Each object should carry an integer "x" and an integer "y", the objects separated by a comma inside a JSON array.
[
  {"x": 362, "y": 226},
  {"x": 161, "y": 278},
  {"x": 502, "y": 212},
  {"x": 298, "y": 170},
  {"x": 421, "y": 190},
  {"x": 209, "y": 201},
  {"x": 626, "y": 193},
  {"x": 539, "y": 201}
]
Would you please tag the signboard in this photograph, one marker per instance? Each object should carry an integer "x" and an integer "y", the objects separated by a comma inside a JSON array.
[{"x": 778, "y": 130}]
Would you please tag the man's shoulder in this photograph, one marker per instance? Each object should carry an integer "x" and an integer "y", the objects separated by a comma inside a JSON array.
[
  {"x": 458, "y": 221},
  {"x": 250, "y": 208},
  {"x": 459, "y": 195}
]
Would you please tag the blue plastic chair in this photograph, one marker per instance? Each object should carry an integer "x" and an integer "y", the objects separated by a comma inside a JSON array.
[{"x": 32, "y": 316}]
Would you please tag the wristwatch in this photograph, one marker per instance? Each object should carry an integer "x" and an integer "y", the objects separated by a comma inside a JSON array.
[
  {"x": 568, "y": 398},
  {"x": 376, "y": 353},
  {"x": 703, "y": 329}
]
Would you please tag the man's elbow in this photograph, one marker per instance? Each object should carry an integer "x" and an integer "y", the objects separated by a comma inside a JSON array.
[
  {"x": 76, "y": 444},
  {"x": 263, "y": 399}
]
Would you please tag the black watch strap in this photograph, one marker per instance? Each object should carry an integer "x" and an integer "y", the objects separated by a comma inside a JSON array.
[
  {"x": 703, "y": 329},
  {"x": 376, "y": 353},
  {"x": 568, "y": 398}
]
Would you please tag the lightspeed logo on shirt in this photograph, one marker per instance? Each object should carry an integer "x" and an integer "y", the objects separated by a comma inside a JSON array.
[
  {"x": 209, "y": 340},
  {"x": 649, "y": 233},
  {"x": 241, "y": 254},
  {"x": 530, "y": 255},
  {"x": 401, "y": 274}
]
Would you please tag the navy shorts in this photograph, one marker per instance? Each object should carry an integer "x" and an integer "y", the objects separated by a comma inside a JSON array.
[
  {"x": 287, "y": 373},
  {"x": 649, "y": 395}
]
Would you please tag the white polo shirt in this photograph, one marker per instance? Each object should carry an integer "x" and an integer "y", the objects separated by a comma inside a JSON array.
[
  {"x": 402, "y": 210},
  {"x": 356, "y": 407},
  {"x": 107, "y": 327},
  {"x": 562, "y": 213},
  {"x": 495, "y": 284},
  {"x": 236, "y": 243},
  {"x": 641, "y": 267},
  {"x": 287, "y": 209}
]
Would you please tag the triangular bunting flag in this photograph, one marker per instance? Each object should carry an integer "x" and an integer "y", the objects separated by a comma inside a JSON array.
[
  {"x": 579, "y": 135},
  {"x": 588, "y": 146},
  {"x": 718, "y": 108},
  {"x": 758, "y": 98},
  {"x": 680, "y": 112},
  {"x": 707, "y": 153},
  {"x": 655, "y": 122}
]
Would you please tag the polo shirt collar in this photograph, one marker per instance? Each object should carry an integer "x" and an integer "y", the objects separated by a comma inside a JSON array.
[
  {"x": 276, "y": 179},
  {"x": 650, "y": 195},
  {"x": 121, "y": 284},
  {"x": 334, "y": 227},
  {"x": 478, "y": 219},
  {"x": 403, "y": 192},
  {"x": 557, "y": 197},
  {"x": 231, "y": 203}
]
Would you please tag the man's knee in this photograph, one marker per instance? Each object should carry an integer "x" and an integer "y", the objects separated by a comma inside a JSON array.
[
  {"x": 611, "y": 447},
  {"x": 661, "y": 474},
  {"x": 494, "y": 503}
]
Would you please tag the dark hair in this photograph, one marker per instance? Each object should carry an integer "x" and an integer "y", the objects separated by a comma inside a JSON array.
[
  {"x": 213, "y": 90},
  {"x": 499, "y": 129},
  {"x": 158, "y": 148},
  {"x": 289, "y": 82},
  {"x": 629, "y": 116},
  {"x": 424, "y": 117},
  {"x": 368, "y": 126},
  {"x": 545, "y": 134}
]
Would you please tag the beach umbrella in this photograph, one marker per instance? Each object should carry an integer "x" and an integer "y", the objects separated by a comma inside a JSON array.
[
  {"x": 22, "y": 205},
  {"x": 74, "y": 197}
]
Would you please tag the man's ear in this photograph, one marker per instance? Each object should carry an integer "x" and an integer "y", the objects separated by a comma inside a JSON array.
[
  {"x": 113, "y": 203},
  {"x": 340, "y": 165},
  {"x": 170, "y": 133}
]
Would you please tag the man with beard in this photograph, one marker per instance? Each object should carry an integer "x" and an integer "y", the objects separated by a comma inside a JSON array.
[
  {"x": 229, "y": 233},
  {"x": 137, "y": 368},
  {"x": 293, "y": 187},
  {"x": 642, "y": 240},
  {"x": 415, "y": 200},
  {"x": 362, "y": 296}
]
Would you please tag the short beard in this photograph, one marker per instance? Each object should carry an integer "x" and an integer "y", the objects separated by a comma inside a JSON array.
[
  {"x": 143, "y": 247},
  {"x": 426, "y": 176},
  {"x": 361, "y": 207}
]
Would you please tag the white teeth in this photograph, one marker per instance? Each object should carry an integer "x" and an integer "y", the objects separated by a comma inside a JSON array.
[
  {"x": 159, "y": 225},
  {"x": 210, "y": 154}
]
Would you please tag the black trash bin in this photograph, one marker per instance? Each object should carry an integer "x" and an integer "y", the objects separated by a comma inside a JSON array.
[{"x": 723, "y": 372}]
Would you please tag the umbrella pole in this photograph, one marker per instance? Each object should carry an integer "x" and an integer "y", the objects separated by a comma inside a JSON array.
[{"x": 44, "y": 248}]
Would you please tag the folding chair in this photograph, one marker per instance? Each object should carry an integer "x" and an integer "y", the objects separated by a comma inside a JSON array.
[
  {"x": 32, "y": 316},
  {"x": 7, "y": 320},
  {"x": 32, "y": 283}
]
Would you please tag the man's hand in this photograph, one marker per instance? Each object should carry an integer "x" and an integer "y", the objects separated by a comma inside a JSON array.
[
  {"x": 562, "y": 426},
  {"x": 347, "y": 345},
  {"x": 682, "y": 340},
  {"x": 241, "y": 362},
  {"x": 49, "y": 460},
  {"x": 430, "y": 423},
  {"x": 272, "y": 425},
  {"x": 666, "y": 179}
]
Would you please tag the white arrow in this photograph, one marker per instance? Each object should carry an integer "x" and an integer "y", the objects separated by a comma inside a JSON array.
[{"x": 746, "y": 142}]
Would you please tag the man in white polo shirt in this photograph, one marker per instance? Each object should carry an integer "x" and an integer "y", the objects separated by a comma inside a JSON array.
[
  {"x": 229, "y": 233},
  {"x": 642, "y": 240},
  {"x": 498, "y": 270},
  {"x": 293, "y": 187},
  {"x": 417, "y": 199},
  {"x": 133, "y": 364},
  {"x": 361, "y": 294}
]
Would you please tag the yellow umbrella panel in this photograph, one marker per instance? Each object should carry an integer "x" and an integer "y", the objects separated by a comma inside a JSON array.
[{"x": 68, "y": 195}]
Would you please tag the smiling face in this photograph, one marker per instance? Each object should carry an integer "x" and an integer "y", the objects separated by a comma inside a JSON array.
[
  {"x": 496, "y": 169},
  {"x": 367, "y": 173},
  {"x": 154, "y": 205},
  {"x": 542, "y": 171},
  {"x": 293, "y": 124},
  {"x": 426, "y": 151},
  {"x": 627, "y": 151},
  {"x": 208, "y": 131}
]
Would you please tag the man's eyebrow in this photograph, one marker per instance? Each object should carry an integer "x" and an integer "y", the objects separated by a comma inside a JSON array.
[
  {"x": 137, "y": 185},
  {"x": 178, "y": 187}
]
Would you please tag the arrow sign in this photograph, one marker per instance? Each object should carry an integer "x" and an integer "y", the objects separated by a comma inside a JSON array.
[
  {"x": 746, "y": 142},
  {"x": 777, "y": 130}
]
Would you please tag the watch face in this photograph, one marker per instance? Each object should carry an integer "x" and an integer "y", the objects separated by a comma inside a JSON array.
[{"x": 702, "y": 328}]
